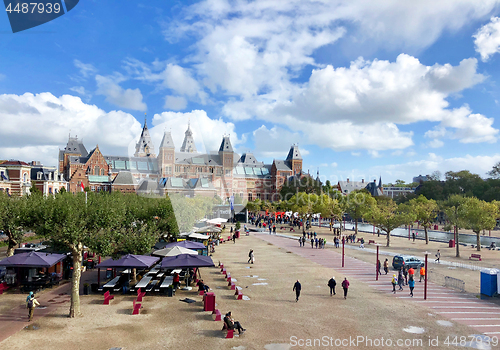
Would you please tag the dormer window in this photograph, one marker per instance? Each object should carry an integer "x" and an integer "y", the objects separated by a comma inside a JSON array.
[{"x": 39, "y": 175}]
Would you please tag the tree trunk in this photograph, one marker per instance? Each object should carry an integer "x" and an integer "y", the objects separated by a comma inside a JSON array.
[
  {"x": 11, "y": 248},
  {"x": 356, "y": 227},
  {"x": 134, "y": 275},
  {"x": 457, "y": 246},
  {"x": 478, "y": 240},
  {"x": 74, "y": 309},
  {"x": 388, "y": 239}
]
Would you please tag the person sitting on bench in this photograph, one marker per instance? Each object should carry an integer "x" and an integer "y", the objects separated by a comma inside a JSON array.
[
  {"x": 202, "y": 286},
  {"x": 232, "y": 324}
]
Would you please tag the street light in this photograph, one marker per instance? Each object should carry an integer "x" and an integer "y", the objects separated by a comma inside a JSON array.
[
  {"x": 343, "y": 243},
  {"x": 425, "y": 276},
  {"x": 376, "y": 262}
]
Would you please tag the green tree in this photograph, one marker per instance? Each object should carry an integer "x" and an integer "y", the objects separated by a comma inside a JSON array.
[
  {"x": 254, "y": 206},
  {"x": 358, "y": 204},
  {"x": 452, "y": 209},
  {"x": 425, "y": 212},
  {"x": 387, "y": 216},
  {"x": 12, "y": 220},
  {"x": 478, "y": 215},
  {"x": 495, "y": 172}
]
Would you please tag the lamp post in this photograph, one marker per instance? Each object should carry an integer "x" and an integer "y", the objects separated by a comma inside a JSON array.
[
  {"x": 343, "y": 243},
  {"x": 425, "y": 276},
  {"x": 376, "y": 263}
]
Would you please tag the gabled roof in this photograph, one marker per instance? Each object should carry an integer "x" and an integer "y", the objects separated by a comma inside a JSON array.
[
  {"x": 14, "y": 163},
  {"x": 167, "y": 141},
  {"x": 225, "y": 145},
  {"x": 75, "y": 146},
  {"x": 249, "y": 159},
  {"x": 281, "y": 165},
  {"x": 147, "y": 185},
  {"x": 125, "y": 178},
  {"x": 350, "y": 186},
  {"x": 294, "y": 153}
]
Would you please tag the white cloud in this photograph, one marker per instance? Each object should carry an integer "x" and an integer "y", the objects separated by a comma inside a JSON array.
[
  {"x": 487, "y": 39},
  {"x": 207, "y": 132},
  {"x": 435, "y": 143},
  {"x": 275, "y": 143},
  {"x": 125, "y": 98},
  {"x": 476, "y": 164},
  {"x": 35, "y": 127},
  {"x": 334, "y": 165},
  {"x": 86, "y": 69},
  {"x": 175, "y": 102}
]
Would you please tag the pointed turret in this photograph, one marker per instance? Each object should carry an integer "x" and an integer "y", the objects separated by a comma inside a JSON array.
[
  {"x": 380, "y": 182},
  {"x": 145, "y": 148},
  {"x": 294, "y": 159},
  {"x": 188, "y": 143},
  {"x": 226, "y": 146},
  {"x": 167, "y": 141}
]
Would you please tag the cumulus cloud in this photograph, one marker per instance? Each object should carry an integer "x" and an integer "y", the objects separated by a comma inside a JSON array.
[
  {"x": 175, "y": 102},
  {"x": 487, "y": 39},
  {"x": 207, "y": 132},
  {"x": 476, "y": 164},
  {"x": 125, "y": 98},
  {"x": 38, "y": 125}
]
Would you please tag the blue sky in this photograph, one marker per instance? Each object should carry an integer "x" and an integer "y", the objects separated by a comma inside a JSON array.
[{"x": 367, "y": 89}]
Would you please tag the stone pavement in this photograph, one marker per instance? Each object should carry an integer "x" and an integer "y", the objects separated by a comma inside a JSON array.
[{"x": 460, "y": 307}]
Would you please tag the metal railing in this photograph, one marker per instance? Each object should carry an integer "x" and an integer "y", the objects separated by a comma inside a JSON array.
[{"x": 446, "y": 281}]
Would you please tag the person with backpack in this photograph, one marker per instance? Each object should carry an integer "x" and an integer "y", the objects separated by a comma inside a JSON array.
[
  {"x": 394, "y": 282},
  {"x": 332, "y": 283},
  {"x": 31, "y": 303}
]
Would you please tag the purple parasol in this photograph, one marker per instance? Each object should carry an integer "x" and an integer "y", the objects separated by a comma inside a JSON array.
[
  {"x": 130, "y": 261},
  {"x": 32, "y": 259},
  {"x": 187, "y": 260}
]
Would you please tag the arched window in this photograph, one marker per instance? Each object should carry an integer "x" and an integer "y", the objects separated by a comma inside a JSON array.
[{"x": 96, "y": 170}]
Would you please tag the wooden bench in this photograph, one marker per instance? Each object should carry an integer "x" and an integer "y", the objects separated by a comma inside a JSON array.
[
  {"x": 230, "y": 332},
  {"x": 137, "y": 308},
  {"x": 232, "y": 286},
  {"x": 475, "y": 256},
  {"x": 371, "y": 241},
  {"x": 107, "y": 298},
  {"x": 140, "y": 294},
  {"x": 238, "y": 295},
  {"x": 216, "y": 315},
  {"x": 3, "y": 287}
]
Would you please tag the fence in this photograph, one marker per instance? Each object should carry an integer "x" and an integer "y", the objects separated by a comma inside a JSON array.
[{"x": 446, "y": 281}]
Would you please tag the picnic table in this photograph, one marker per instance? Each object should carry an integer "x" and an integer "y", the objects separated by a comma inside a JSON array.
[
  {"x": 143, "y": 282},
  {"x": 112, "y": 283},
  {"x": 176, "y": 270},
  {"x": 167, "y": 281}
]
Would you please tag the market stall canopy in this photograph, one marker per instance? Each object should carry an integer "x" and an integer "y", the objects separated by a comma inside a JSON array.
[
  {"x": 216, "y": 221},
  {"x": 174, "y": 251},
  {"x": 198, "y": 236},
  {"x": 32, "y": 259},
  {"x": 187, "y": 245},
  {"x": 187, "y": 260},
  {"x": 208, "y": 229},
  {"x": 130, "y": 261}
]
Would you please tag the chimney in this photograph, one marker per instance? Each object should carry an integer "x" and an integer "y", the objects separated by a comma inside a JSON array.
[
  {"x": 362, "y": 181},
  {"x": 347, "y": 180}
]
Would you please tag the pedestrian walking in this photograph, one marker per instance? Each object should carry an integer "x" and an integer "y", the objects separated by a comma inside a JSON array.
[
  {"x": 234, "y": 238},
  {"x": 438, "y": 256},
  {"x": 250, "y": 256},
  {"x": 411, "y": 273},
  {"x": 401, "y": 279},
  {"x": 378, "y": 267},
  {"x": 413, "y": 234},
  {"x": 297, "y": 287},
  {"x": 394, "y": 281},
  {"x": 312, "y": 242},
  {"x": 31, "y": 304},
  {"x": 386, "y": 266},
  {"x": 422, "y": 273},
  {"x": 345, "y": 286},
  {"x": 332, "y": 283},
  {"x": 405, "y": 273},
  {"x": 411, "y": 284}
]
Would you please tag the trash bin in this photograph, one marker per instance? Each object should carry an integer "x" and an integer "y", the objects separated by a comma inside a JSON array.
[
  {"x": 94, "y": 287},
  {"x": 489, "y": 281},
  {"x": 209, "y": 301},
  {"x": 451, "y": 243}
]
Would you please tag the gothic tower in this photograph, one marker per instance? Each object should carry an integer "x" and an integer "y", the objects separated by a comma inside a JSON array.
[
  {"x": 294, "y": 160},
  {"x": 145, "y": 148},
  {"x": 166, "y": 155},
  {"x": 226, "y": 154},
  {"x": 188, "y": 143}
]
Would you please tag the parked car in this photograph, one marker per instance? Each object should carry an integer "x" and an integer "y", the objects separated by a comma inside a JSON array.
[{"x": 406, "y": 260}]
